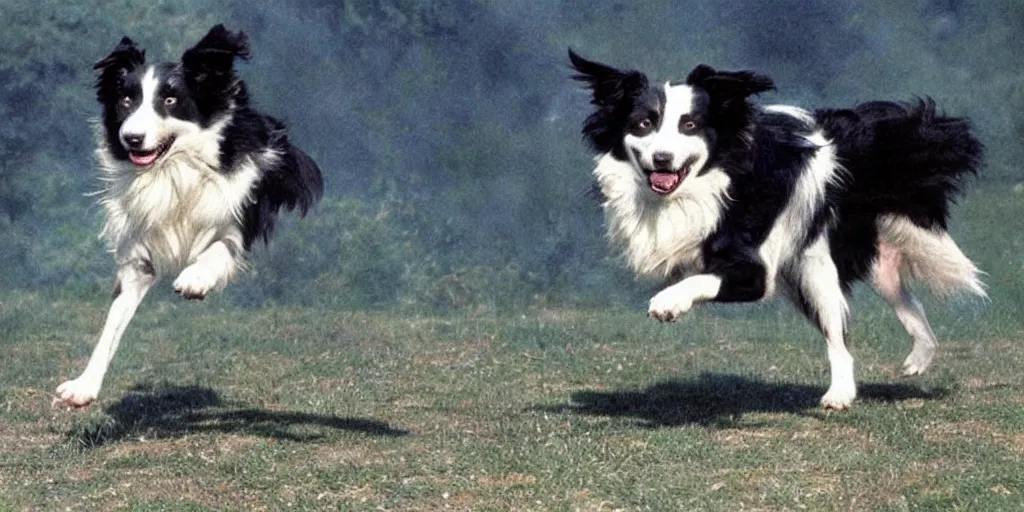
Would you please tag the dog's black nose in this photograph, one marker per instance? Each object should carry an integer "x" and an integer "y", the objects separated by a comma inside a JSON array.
[
  {"x": 133, "y": 141},
  {"x": 662, "y": 159}
]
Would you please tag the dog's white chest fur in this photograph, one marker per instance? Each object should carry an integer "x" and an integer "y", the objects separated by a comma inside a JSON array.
[
  {"x": 174, "y": 209},
  {"x": 660, "y": 235}
]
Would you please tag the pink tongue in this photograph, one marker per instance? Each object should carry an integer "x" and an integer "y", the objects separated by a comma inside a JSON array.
[
  {"x": 143, "y": 160},
  {"x": 664, "y": 182}
]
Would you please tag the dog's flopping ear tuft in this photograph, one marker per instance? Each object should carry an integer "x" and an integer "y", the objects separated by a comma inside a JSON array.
[
  {"x": 113, "y": 68},
  {"x": 729, "y": 85},
  {"x": 218, "y": 48},
  {"x": 212, "y": 58},
  {"x": 608, "y": 85},
  {"x": 614, "y": 93}
]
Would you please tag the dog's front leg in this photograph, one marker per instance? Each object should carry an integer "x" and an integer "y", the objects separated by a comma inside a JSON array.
[
  {"x": 212, "y": 269},
  {"x": 134, "y": 279},
  {"x": 676, "y": 300},
  {"x": 737, "y": 277}
]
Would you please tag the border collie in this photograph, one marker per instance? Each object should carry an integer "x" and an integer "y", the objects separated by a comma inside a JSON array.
[
  {"x": 729, "y": 201},
  {"x": 192, "y": 177}
]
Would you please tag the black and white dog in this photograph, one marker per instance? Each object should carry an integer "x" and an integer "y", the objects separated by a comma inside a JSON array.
[
  {"x": 729, "y": 201},
  {"x": 192, "y": 177}
]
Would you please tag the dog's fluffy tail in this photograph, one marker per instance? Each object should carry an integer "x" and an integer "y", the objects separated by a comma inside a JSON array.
[{"x": 931, "y": 256}]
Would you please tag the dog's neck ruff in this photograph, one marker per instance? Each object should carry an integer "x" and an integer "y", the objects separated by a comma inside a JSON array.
[
  {"x": 660, "y": 236},
  {"x": 174, "y": 208}
]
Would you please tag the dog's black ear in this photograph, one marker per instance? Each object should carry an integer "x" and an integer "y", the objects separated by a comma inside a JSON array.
[
  {"x": 212, "y": 58},
  {"x": 608, "y": 85},
  {"x": 729, "y": 85},
  {"x": 614, "y": 94},
  {"x": 114, "y": 67}
]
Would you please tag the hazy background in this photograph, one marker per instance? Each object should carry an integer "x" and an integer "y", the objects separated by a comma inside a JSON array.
[{"x": 449, "y": 131}]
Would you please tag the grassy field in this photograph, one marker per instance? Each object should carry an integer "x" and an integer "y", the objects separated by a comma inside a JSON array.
[
  {"x": 214, "y": 406},
  {"x": 211, "y": 407}
]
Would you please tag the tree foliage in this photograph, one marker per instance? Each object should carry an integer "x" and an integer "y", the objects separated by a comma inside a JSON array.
[{"x": 448, "y": 129}]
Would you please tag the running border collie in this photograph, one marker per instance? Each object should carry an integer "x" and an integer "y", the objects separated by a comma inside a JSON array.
[
  {"x": 729, "y": 201},
  {"x": 192, "y": 177}
]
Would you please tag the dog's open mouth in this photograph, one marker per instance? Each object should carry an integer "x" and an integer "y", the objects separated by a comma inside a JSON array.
[
  {"x": 145, "y": 158},
  {"x": 665, "y": 182}
]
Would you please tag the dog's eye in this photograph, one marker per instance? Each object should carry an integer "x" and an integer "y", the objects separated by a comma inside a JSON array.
[
  {"x": 126, "y": 102},
  {"x": 645, "y": 124},
  {"x": 688, "y": 126},
  {"x": 170, "y": 101}
]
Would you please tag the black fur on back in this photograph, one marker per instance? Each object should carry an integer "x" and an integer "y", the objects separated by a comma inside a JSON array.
[
  {"x": 294, "y": 181},
  {"x": 899, "y": 158}
]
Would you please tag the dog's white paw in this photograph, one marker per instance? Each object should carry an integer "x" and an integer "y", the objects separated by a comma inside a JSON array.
[
  {"x": 76, "y": 394},
  {"x": 918, "y": 361},
  {"x": 838, "y": 399},
  {"x": 670, "y": 304},
  {"x": 195, "y": 282}
]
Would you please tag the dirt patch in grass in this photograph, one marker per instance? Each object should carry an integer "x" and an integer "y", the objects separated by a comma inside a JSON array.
[
  {"x": 463, "y": 355},
  {"x": 507, "y": 480},
  {"x": 961, "y": 431},
  {"x": 145, "y": 487},
  {"x": 22, "y": 438},
  {"x": 971, "y": 431},
  {"x": 160, "y": 448},
  {"x": 742, "y": 438},
  {"x": 330, "y": 456},
  {"x": 351, "y": 494},
  {"x": 584, "y": 501}
]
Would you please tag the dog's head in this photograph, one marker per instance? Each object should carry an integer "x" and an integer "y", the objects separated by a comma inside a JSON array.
[
  {"x": 146, "y": 108},
  {"x": 672, "y": 131}
]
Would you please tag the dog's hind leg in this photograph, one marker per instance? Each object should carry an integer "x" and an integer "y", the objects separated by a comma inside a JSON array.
[
  {"x": 821, "y": 298},
  {"x": 134, "y": 279},
  {"x": 886, "y": 280}
]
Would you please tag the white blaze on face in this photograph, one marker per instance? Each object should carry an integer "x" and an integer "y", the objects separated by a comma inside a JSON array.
[
  {"x": 668, "y": 155},
  {"x": 144, "y": 121},
  {"x": 152, "y": 131}
]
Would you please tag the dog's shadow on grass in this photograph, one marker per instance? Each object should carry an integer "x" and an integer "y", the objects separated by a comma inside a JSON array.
[
  {"x": 172, "y": 411},
  {"x": 721, "y": 400}
]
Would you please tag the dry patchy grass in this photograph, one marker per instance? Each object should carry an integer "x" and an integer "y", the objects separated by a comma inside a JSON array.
[{"x": 553, "y": 410}]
